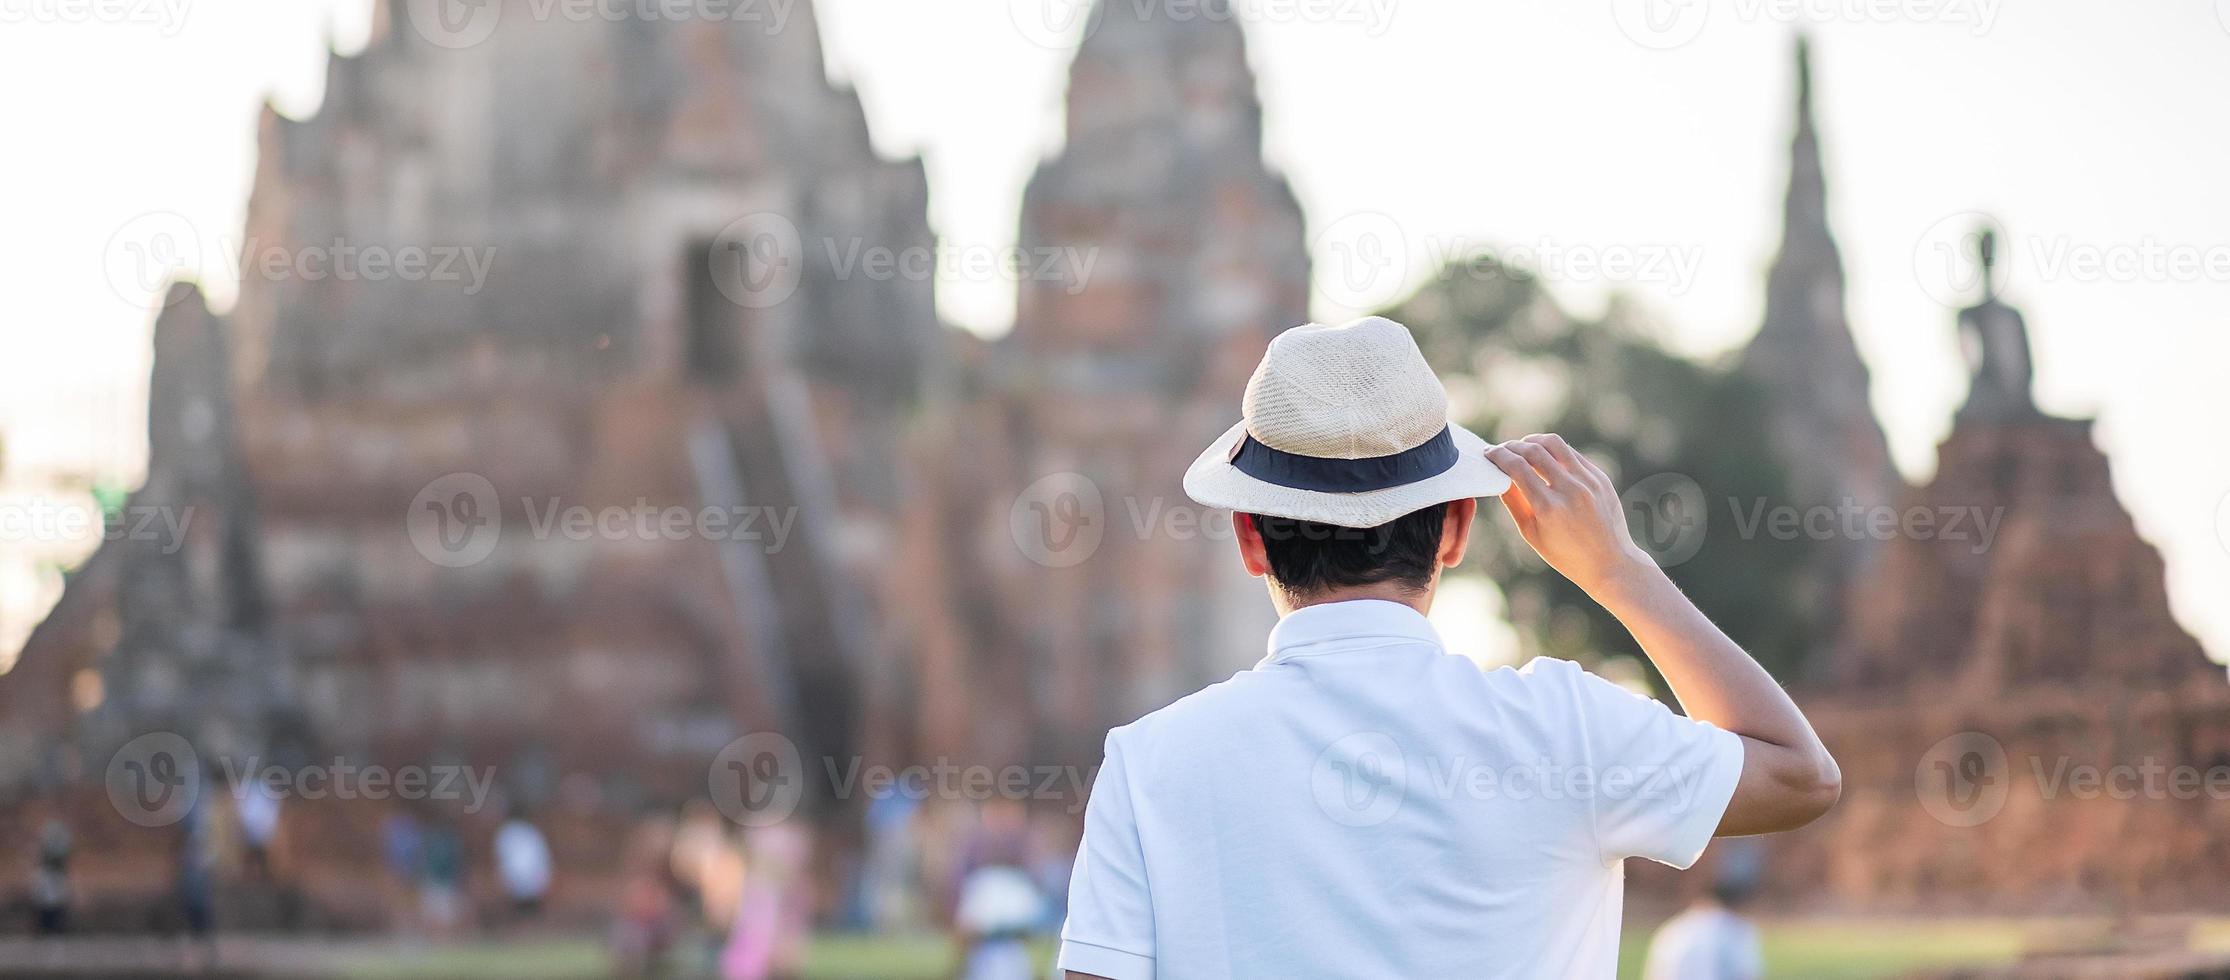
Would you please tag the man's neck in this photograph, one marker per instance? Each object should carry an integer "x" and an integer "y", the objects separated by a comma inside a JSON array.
[{"x": 1420, "y": 600}]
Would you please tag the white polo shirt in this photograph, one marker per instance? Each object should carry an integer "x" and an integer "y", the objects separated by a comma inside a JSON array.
[{"x": 1364, "y": 804}]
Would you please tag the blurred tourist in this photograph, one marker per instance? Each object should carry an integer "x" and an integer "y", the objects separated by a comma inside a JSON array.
[
  {"x": 523, "y": 865},
  {"x": 707, "y": 868},
  {"x": 941, "y": 833},
  {"x": 776, "y": 909},
  {"x": 1000, "y": 908},
  {"x": 1711, "y": 940},
  {"x": 401, "y": 843},
  {"x": 441, "y": 877},
  {"x": 198, "y": 843},
  {"x": 889, "y": 871},
  {"x": 256, "y": 808},
  {"x": 1000, "y": 838},
  {"x": 699, "y": 837},
  {"x": 647, "y": 919},
  {"x": 255, "y": 825},
  {"x": 50, "y": 881},
  {"x": 1053, "y": 843}
]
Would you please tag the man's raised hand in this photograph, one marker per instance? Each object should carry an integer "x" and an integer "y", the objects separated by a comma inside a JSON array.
[
  {"x": 1567, "y": 509},
  {"x": 1569, "y": 512}
]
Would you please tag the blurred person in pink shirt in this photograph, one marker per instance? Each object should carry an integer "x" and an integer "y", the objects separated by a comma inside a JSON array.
[{"x": 776, "y": 910}]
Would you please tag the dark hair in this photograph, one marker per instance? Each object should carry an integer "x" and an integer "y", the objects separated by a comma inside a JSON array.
[
  {"x": 1734, "y": 893},
  {"x": 1306, "y": 557}
]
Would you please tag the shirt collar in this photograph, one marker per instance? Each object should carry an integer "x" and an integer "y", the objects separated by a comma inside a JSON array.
[{"x": 1333, "y": 626}]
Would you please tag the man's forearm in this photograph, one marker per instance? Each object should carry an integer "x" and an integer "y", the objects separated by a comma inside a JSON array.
[
  {"x": 1711, "y": 676},
  {"x": 1788, "y": 777},
  {"x": 1568, "y": 510}
]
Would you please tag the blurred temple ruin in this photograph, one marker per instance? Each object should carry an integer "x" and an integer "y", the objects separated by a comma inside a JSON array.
[
  {"x": 670, "y": 320},
  {"x": 2052, "y": 642}
]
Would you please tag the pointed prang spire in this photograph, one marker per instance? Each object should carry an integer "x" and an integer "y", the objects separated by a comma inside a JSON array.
[
  {"x": 1803, "y": 80},
  {"x": 1805, "y": 211},
  {"x": 1804, "y": 354},
  {"x": 1808, "y": 264},
  {"x": 1986, "y": 252}
]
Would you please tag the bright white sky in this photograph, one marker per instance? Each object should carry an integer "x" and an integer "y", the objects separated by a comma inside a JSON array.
[{"x": 2091, "y": 131}]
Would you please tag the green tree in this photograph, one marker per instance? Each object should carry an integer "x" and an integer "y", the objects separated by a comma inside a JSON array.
[{"x": 1515, "y": 364}]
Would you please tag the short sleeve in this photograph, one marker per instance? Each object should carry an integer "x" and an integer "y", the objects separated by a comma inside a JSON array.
[
  {"x": 1110, "y": 927},
  {"x": 1661, "y": 781}
]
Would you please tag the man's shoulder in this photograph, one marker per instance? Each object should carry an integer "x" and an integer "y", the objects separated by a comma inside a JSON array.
[
  {"x": 1202, "y": 711},
  {"x": 1565, "y": 683},
  {"x": 1551, "y": 670}
]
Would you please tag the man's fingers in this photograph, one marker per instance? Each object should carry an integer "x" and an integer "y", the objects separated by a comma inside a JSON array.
[
  {"x": 1556, "y": 446},
  {"x": 1544, "y": 461},
  {"x": 1521, "y": 472},
  {"x": 1573, "y": 460}
]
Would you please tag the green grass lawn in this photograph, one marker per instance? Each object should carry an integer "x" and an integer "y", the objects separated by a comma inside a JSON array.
[
  {"x": 1860, "y": 949},
  {"x": 1812, "y": 949},
  {"x": 829, "y": 957}
]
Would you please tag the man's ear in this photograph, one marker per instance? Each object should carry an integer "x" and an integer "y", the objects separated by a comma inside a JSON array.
[
  {"x": 1455, "y": 531},
  {"x": 1251, "y": 552}
]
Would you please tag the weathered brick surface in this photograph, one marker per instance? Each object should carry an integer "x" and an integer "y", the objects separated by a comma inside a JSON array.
[
  {"x": 594, "y": 165},
  {"x": 2052, "y": 636},
  {"x": 905, "y": 618}
]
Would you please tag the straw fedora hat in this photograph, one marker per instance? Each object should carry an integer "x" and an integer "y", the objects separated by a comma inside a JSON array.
[{"x": 1343, "y": 425}]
